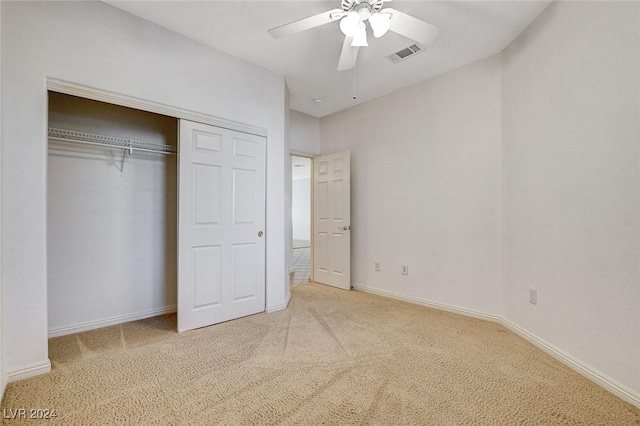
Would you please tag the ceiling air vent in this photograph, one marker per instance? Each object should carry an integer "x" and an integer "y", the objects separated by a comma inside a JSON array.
[{"x": 403, "y": 54}]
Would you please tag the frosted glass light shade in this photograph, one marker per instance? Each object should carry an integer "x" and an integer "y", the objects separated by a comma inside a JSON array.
[
  {"x": 360, "y": 37},
  {"x": 380, "y": 24},
  {"x": 349, "y": 24}
]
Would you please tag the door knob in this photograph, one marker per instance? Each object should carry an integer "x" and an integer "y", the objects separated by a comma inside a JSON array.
[
  {"x": 344, "y": 228},
  {"x": 260, "y": 234}
]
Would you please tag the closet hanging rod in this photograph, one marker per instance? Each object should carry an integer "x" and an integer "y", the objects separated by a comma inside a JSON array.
[{"x": 72, "y": 136}]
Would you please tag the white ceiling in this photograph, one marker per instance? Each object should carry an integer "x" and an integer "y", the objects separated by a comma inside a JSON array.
[{"x": 473, "y": 30}]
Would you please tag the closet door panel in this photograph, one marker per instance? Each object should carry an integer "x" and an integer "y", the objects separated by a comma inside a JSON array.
[
  {"x": 221, "y": 256},
  {"x": 244, "y": 197},
  {"x": 206, "y": 274},
  {"x": 245, "y": 276},
  {"x": 206, "y": 194}
]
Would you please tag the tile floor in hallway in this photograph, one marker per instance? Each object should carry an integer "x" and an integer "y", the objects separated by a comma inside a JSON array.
[{"x": 301, "y": 264}]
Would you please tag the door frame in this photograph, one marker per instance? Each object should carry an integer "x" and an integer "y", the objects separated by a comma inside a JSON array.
[
  {"x": 293, "y": 153},
  {"x": 67, "y": 88},
  {"x": 347, "y": 227}
]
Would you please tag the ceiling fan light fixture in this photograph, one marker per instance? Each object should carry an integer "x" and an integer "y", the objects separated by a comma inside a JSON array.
[
  {"x": 380, "y": 24},
  {"x": 360, "y": 37},
  {"x": 350, "y": 23},
  {"x": 364, "y": 12}
]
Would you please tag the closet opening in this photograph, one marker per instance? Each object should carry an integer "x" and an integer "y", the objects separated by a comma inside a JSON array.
[
  {"x": 301, "y": 214},
  {"x": 111, "y": 215}
]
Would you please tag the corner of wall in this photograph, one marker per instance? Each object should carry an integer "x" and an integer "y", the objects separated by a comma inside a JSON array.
[
  {"x": 503, "y": 184},
  {"x": 281, "y": 306},
  {"x": 288, "y": 220},
  {"x": 305, "y": 133},
  {"x": 546, "y": 117},
  {"x": 3, "y": 373}
]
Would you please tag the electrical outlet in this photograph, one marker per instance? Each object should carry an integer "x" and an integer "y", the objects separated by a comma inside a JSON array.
[
  {"x": 405, "y": 269},
  {"x": 376, "y": 266},
  {"x": 533, "y": 296}
]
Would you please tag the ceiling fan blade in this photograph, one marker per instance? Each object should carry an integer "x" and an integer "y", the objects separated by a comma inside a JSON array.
[
  {"x": 413, "y": 28},
  {"x": 348, "y": 56},
  {"x": 307, "y": 23}
]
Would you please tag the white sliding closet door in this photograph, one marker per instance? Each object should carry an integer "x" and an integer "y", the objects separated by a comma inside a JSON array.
[{"x": 221, "y": 222}]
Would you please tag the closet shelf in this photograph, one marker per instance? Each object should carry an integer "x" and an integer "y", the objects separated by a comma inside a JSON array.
[{"x": 109, "y": 141}]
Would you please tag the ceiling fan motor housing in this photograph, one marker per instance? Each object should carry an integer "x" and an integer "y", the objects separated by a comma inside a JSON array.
[{"x": 371, "y": 6}]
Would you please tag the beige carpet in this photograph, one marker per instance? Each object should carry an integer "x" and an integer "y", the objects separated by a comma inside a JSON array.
[{"x": 333, "y": 357}]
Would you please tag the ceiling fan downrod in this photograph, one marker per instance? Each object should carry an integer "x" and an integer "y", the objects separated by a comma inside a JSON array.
[{"x": 354, "y": 75}]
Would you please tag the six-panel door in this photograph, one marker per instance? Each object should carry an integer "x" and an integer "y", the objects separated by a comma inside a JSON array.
[
  {"x": 332, "y": 220},
  {"x": 221, "y": 220}
]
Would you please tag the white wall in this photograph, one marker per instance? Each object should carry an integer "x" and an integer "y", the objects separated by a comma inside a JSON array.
[
  {"x": 571, "y": 201},
  {"x": 111, "y": 235},
  {"x": 426, "y": 187},
  {"x": 94, "y": 44},
  {"x": 533, "y": 154},
  {"x": 304, "y": 133},
  {"x": 3, "y": 370},
  {"x": 288, "y": 227},
  {"x": 301, "y": 211}
]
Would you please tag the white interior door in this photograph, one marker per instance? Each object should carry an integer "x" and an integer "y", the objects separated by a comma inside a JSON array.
[
  {"x": 221, "y": 220},
  {"x": 332, "y": 220}
]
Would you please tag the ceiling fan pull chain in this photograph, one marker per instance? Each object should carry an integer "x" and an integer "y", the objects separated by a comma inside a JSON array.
[{"x": 354, "y": 73}]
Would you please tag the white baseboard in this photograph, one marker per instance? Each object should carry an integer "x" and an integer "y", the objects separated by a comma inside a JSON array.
[
  {"x": 428, "y": 304},
  {"x": 585, "y": 370},
  {"x": 280, "y": 307},
  {"x": 3, "y": 386},
  {"x": 77, "y": 328},
  {"x": 29, "y": 371}
]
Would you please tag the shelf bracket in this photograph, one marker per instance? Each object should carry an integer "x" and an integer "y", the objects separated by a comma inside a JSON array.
[{"x": 124, "y": 154}]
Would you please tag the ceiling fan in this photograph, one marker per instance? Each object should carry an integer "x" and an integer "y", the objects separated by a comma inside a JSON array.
[{"x": 352, "y": 17}]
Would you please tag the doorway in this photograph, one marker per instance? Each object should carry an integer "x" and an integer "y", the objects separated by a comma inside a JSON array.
[
  {"x": 135, "y": 229},
  {"x": 301, "y": 196},
  {"x": 332, "y": 219},
  {"x": 111, "y": 214}
]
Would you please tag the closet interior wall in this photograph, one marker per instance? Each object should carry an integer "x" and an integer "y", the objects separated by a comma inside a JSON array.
[{"x": 111, "y": 225}]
